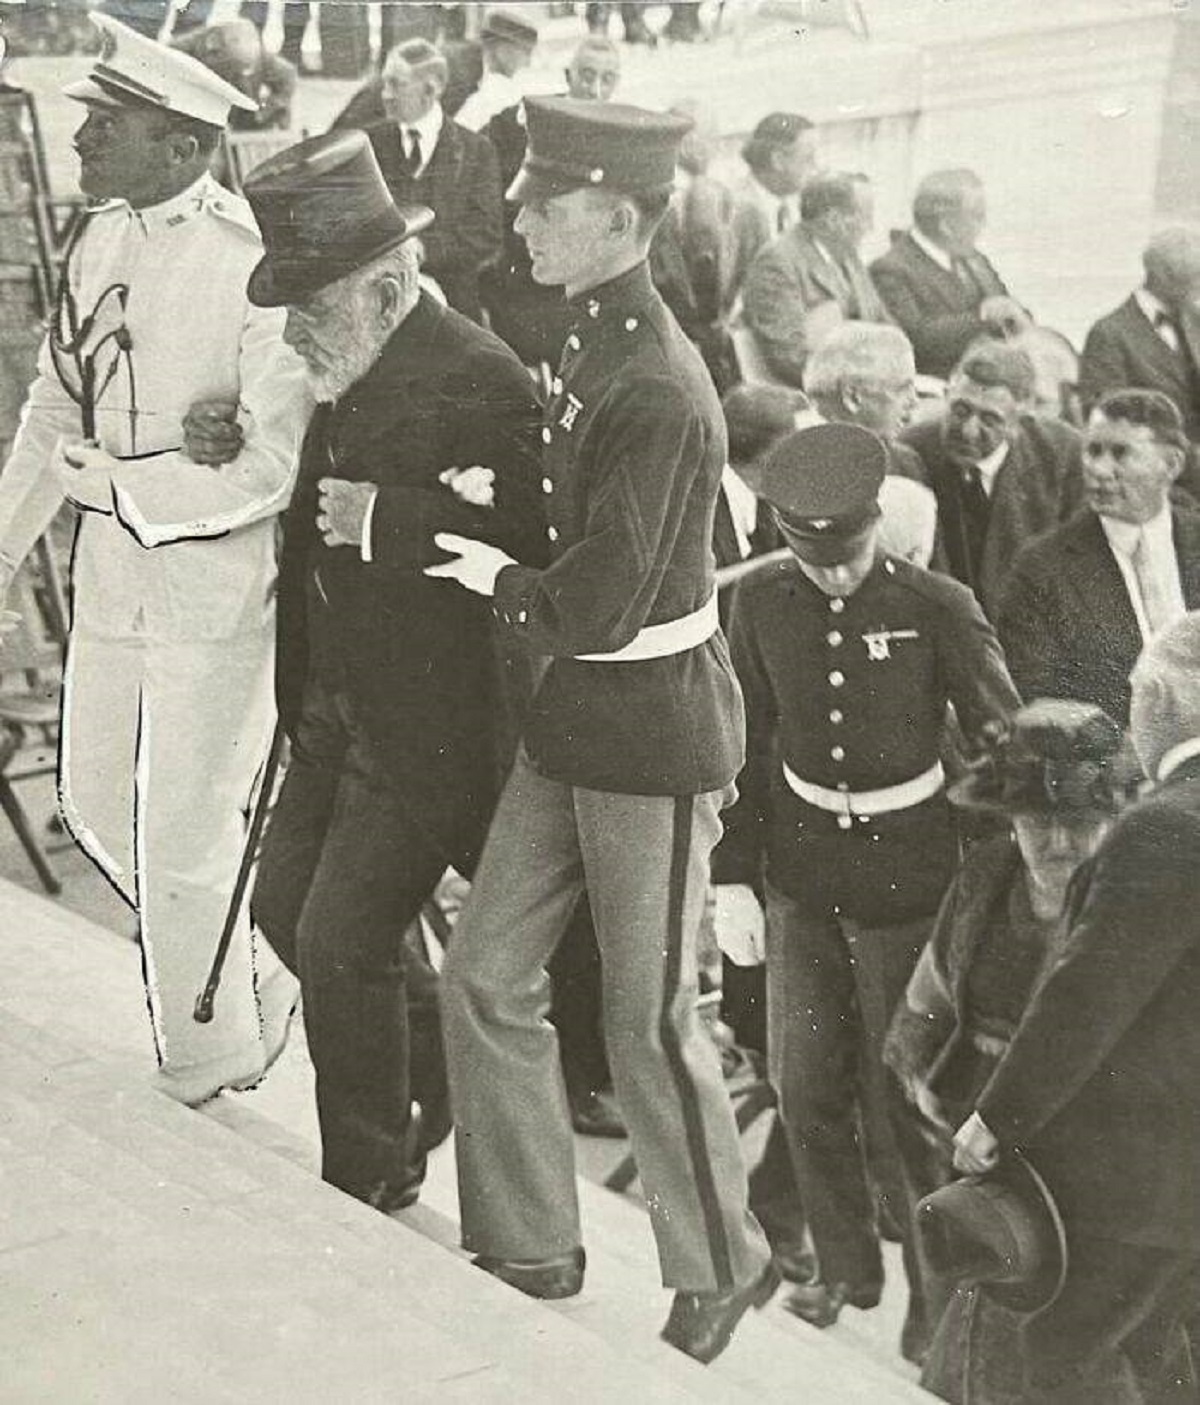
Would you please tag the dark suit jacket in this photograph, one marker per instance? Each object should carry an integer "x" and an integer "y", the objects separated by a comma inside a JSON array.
[
  {"x": 417, "y": 654},
  {"x": 1066, "y": 620},
  {"x": 1039, "y": 485},
  {"x": 787, "y": 279},
  {"x": 1101, "y": 1084},
  {"x": 1123, "y": 350},
  {"x": 461, "y": 185},
  {"x": 937, "y": 310}
]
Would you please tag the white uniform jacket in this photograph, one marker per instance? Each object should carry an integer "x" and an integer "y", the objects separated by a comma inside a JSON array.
[{"x": 173, "y": 276}]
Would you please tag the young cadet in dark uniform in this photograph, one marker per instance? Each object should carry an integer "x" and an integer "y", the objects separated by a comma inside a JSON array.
[
  {"x": 631, "y": 745},
  {"x": 848, "y": 659}
]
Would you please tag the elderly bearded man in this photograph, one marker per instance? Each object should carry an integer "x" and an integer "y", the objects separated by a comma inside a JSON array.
[
  {"x": 631, "y": 743},
  {"x": 385, "y": 679},
  {"x": 167, "y": 696}
]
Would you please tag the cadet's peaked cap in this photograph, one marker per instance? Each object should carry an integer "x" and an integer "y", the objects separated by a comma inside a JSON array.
[
  {"x": 500, "y": 24},
  {"x": 133, "y": 71},
  {"x": 324, "y": 211},
  {"x": 608, "y": 145},
  {"x": 824, "y": 482}
]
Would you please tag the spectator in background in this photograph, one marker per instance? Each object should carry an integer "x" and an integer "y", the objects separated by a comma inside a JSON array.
[
  {"x": 1084, "y": 599},
  {"x": 811, "y": 279},
  {"x": 936, "y": 283},
  {"x": 781, "y": 155},
  {"x": 1000, "y": 475},
  {"x": 234, "y": 51},
  {"x": 508, "y": 44},
  {"x": 1152, "y": 341},
  {"x": 594, "y": 70},
  {"x": 862, "y": 373},
  {"x": 428, "y": 159}
]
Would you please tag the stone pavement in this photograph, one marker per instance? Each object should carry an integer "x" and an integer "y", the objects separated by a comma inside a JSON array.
[{"x": 149, "y": 1253}]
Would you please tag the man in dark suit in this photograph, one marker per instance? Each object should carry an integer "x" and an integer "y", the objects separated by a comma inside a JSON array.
[
  {"x": 811, "y": 279},
  {"x": 1100, "y": 1086},
  {"x": 780, "y": 155},
  {"x": 1152, "y": 341},
  {"x": 936, "y": 283},
  {"x": 428, "y": 159},
  {"x": 1000, "y": 475},
  {"x": 385, "y": 680},
  {"x": 1084, "y": 599}
]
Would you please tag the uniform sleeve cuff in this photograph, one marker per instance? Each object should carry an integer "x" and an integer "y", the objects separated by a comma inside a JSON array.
[{"x": 364, "y": 546}]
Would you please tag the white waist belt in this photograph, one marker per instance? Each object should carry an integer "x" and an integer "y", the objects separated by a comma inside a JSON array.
[
  {"x": 656, "y": 641},
  {"x": 848, "y": 803}
]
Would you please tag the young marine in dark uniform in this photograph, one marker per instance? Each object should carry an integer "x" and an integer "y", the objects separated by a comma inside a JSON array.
[
  {"x": 848, "y": 659},
  {"x": 632, "y": 743}
]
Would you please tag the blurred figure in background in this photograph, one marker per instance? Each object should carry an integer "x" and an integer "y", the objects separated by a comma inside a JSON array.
[
  {"x": 1152, "y": 341},
  {"x": 508, "y": 43},
  {"x": 810, "y": 279},
  {"x": 780, "y": 155},
  {"x": 936, "y": 282},
  {"x": 428, "y": 159},
  {"x": 1000, "y": 475},
  {"x": 235, "y": 52}
]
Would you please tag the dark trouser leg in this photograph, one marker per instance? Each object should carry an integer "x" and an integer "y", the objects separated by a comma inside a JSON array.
[
  {"x": 1115, "y": 1335},
  {"x": 576, "y": 1006},
  {"x": 901, "y": 1160},
  {"x": 295, "y": 22},
  {"x": 343, "y": 873},
  {"x": 814, "y": 1043}
]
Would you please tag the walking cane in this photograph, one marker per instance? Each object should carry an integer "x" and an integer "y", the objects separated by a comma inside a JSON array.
[{"x": 203, "y": 1011}]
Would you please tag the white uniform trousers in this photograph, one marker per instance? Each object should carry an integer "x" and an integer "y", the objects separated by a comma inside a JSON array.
[{"x": 162, "y": 743}]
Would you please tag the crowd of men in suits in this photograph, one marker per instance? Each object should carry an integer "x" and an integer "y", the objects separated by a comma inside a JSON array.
[{"x": 461, "y": 564}]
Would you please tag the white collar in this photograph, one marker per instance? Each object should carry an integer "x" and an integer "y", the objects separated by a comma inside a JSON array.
[
  {"x": 988, "y": 467},
  {"x": 1175, "y": 756},
  {"x": 1123, "y": 537},
  {"x": 178, "y": 208},
  {"x": 428, "y": 128},
  {"x": 935, "y": 251},
  {"x": 1151, "y": 304}
]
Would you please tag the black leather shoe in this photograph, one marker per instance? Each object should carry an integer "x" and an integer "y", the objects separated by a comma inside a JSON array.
[
  {"x": 389, "y": 1196},
  {"x": 702, "y": 1324},
  {"x": 820, "y": 1304},
  {"x": 543, "y": 1278},
  {"x": 596, "y": 1115}
]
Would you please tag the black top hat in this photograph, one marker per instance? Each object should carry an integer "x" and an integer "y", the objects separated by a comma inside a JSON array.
[
  {"x": 609, "y": 145},
  {"x": 1054, "y": 754},
  {"x": 1002, "y": 1231},
  {"x": 823, "y": 483},
  {"x": 324, "y": 211}
]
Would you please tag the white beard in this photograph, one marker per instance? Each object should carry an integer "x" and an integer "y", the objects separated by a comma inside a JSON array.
[{"x": 343, "y": 368}]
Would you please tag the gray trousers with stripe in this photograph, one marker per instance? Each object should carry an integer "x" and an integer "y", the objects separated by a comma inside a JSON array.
[{"x": 643, "y": 860}]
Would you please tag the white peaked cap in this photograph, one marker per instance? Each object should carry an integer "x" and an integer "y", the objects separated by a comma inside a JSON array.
[{"x": 133, "y": 70}]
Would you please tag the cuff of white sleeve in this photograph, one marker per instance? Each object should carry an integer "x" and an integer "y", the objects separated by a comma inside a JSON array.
[{"x": 364, "y": 546}]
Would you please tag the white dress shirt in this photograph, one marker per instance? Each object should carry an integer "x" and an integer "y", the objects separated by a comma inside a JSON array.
[
  {"x": 428, "y": 129},
  {"x": 743, "y": 508},
  {"x": 935, "y": 251},
  {"x": 990, "y": 466},
  {"x": 1158, "y": 315},
  {"x": 1124, "y": 538}
]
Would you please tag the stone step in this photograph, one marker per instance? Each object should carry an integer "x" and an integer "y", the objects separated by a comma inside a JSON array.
[{"x": 157, "y": 1253}]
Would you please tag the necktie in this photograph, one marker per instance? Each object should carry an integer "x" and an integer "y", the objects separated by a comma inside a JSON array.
[
  {"x": 976, "y": 509},
  {"x": 1156, "y": 603},
  {"x": 783, "y": 219},
  {"x": 1168, "y": 329},
  {"x": 962, "y": 271},
  {"x": 412, "y": 162}
]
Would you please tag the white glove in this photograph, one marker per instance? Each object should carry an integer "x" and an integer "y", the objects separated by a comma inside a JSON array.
[
  {"x": 740, "y": 925},
  {"x": 85, "y": 473}
]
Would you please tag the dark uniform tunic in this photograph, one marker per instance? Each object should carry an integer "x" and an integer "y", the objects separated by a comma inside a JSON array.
[
  {"x": 851, "y": 693},
  {"x": 618, "y": 789},
  {"x": 635, "y": 445}
]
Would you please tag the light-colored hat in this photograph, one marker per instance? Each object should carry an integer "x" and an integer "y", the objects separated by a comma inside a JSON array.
[{"x": 133, "y": 71}]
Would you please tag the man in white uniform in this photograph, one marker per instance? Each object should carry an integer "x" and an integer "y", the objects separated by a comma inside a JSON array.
[{"x": 167, "y": 699}]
